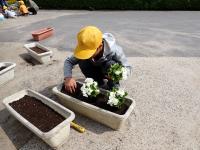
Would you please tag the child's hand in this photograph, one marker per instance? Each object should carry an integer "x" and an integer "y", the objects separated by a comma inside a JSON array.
[{"x": 70, "y": 84}]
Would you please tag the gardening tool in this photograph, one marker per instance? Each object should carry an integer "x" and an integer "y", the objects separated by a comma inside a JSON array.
[{"x": 77, "y": 127}]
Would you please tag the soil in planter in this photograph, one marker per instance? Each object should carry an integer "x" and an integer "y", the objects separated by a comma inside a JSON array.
[
  {"x": 1, "y": 68},
  {"x": 36, "y": 112},
  {"x": 38, "y": 50},
  {"x": 99, "y": 101}
]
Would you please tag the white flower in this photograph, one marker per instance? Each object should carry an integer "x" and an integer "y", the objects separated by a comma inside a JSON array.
[
  {"x": 83, "y": 87},
  {"x": 85, "y": 94},
  {"x": 120, "y": 92},
  {"x": 88, "y": 91},
  {"x": 113, "y": 101},
  {"x": 84, "y": 90},
  {"x": 124, "y": 73},
  {"x": 95, "y": 84},
  {"x": 116, "y": 97},
  {"x": 118, "y": 72},
  {"x": 112, "y": 94},
  {"x": 89, "y": 80},
  {"x": 89, "y": 87}
]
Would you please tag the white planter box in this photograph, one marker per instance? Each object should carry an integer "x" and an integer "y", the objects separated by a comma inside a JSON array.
[
  {"x": 113, "y": 120},
  {"x": 55, "y": 137},
  {"x": 7, "y": 73},
  {"x": 43, "y": 57}
]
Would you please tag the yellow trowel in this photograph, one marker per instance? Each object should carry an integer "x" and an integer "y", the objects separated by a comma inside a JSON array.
[{"x": 77, "y": 127}]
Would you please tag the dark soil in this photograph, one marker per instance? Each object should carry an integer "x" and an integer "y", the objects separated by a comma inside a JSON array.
[
  {"x": 99, "y": 101},
  {"x": 1, "y": 68},
  {"x": 38, "y": 50},
  {"x": 36, "y": 112}
]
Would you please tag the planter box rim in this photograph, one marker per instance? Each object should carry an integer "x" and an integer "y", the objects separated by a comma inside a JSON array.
[
  {"x": 42, "y": 31},
  {"x": 28, "y": 46},
  {"x": 58, "y": 88},
  {"x": 10, "y": 66},
  {"x": 35, "y": 129}
]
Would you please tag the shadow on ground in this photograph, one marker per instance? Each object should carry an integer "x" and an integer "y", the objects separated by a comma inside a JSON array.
[
  {"x": 29, "y": 60},
  {"x": 31, "y": 40}
]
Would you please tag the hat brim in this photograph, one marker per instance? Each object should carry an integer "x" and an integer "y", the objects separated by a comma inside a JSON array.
[{"x": 83, "y": 53}]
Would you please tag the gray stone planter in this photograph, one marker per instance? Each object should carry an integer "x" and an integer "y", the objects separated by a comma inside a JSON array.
[
  {"x": 7, "y": 73},
  {"x": 110, "y": 119},
  {"x": 55, "y": 137},
  {"x": 43, "y": 57}
]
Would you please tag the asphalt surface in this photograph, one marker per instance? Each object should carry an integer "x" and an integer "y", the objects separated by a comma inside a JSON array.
[{"x": 140, "y": 33}]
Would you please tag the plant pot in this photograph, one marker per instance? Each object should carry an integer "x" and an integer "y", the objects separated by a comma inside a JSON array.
[
  {"x": 42, "y": 33},
  {"x": 108, "y": 118},
  {"x": 56, "y": 136},
  {"x": 6, "y": 71},
  {"x": 43, "y": 55}
]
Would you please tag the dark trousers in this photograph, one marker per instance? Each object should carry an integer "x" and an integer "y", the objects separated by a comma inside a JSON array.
[
  {"x": 3, "y": 3},
  {"x": 31, "y": 9},
  {"x": 90, "y": 70}
]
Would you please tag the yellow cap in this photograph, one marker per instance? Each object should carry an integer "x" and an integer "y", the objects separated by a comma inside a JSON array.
[
  {"x": 4, "y": 7},
  {"x": 89, "y": 39},
  {"x": 21, "y": 2}
]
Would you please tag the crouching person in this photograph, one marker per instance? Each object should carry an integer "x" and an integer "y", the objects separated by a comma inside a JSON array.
[
  {"x": 8, "y": 13},
  {"x": 95, "y": 53},
  {"x": 23, "y": 9}
]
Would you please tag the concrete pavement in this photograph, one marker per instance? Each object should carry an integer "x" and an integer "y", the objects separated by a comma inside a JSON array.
[{"x": 166, "y": 89}]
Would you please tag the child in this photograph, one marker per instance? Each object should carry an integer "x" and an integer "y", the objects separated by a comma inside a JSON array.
[
  {"x": 95, "y": 53},
  {"x": 3, "y": 3},
  {"x": 8, "y": 13},
  {"x": 22, "y": 9}
]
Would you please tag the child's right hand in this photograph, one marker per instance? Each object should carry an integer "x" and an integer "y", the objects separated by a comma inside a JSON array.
[{"x": 70, "y": 84}]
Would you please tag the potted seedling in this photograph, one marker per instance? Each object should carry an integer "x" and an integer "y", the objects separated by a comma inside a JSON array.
[
  {"x": 42, "y": 33},
  {"x": 116, "y": 97},
  {"x": 44, "y": 117},
  {"x": 117, "y": 72},
  {"x": 39, "y": 52},
  {"x": 90, "y": 88},
  {"x": 111, "y": 108},
  {"x": 6, "y": 71}
]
